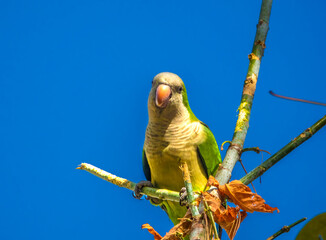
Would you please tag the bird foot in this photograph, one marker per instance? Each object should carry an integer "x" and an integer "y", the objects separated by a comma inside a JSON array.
[
  {"x": 183, "y": 197},
  {"x": 137, "y": 192},
  {"x": 138, "y": 195}
]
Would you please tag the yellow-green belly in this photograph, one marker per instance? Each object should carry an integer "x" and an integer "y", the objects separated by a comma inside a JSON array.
[{"x": 166, "y": 174}]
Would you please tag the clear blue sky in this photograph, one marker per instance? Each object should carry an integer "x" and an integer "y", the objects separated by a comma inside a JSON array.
[{"x": 74, "y": 81}]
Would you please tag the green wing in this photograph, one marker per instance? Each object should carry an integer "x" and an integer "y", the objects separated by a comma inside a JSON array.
[
  {"x": 146, "y": 169},
  {"x": 209, "y": 153}
]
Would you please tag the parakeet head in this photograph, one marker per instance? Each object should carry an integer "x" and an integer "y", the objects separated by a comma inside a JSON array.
[{"x": 168, "y": 97}]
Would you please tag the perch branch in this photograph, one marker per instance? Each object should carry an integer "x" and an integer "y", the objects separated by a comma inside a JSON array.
[
  {"x": 286, "y": 229},
  {"x": 163, "y": 194},
  {"x": 304, "y": 136},
  {"x": 234, "y": 151}
]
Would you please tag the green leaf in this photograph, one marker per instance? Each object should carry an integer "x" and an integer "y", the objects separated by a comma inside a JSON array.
[{"x": 314, "y": 229}]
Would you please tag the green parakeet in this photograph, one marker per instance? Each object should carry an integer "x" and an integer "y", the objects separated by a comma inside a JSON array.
[{"x": 174, "y": 134}]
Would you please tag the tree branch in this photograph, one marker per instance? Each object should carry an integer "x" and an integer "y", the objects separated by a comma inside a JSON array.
[
  {"x": 304, "y": 136},
  {"x": 234, "y": 151},
  {"x": 190, "y": 193},
  {"x": 163, "y": 194},
  {"x": 198, "y": 228},
  {"x": 286, "y": 229}
]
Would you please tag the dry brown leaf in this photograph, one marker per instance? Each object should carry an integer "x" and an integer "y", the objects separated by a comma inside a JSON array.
[
  {"x": 181, "y": 229},
  {"x": 150, "y": 229},
  {"x": 212, "y": 182},
  {"x": 232, "y": 223},
  {"x": 229, "y": 219},
  {"x": 242, "y": 196}
]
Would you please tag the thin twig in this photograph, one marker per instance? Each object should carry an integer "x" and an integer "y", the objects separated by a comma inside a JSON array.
[
  {"x": 304, "y": 136},
  {"x": 255, "y": 149},
  {"x": 247, "y": 173},
  {"x": 211, "y": 218},
  {"x": 188, "y": 185},
  {"x": 296, "y": 99},
  {"x": 234, "y": 151},
  {"x": 198, "y": 228},
  {"x": 286, "y": 229}
]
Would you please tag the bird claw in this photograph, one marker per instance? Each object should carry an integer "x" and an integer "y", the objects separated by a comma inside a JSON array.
[
  {"x": 137, "y": 191},
  {"x": 183, "y": 196}
]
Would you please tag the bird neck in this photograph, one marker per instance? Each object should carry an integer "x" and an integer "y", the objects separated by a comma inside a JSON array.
[{"x": 169, "y": 116}]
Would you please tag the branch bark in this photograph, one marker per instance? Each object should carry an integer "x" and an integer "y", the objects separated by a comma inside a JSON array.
[
  {"x": 234, "y": 151},
  {"x": 122, "y": 182}
]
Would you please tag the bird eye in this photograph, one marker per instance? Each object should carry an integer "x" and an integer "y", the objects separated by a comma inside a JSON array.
[{"x": 180, "y": 89}]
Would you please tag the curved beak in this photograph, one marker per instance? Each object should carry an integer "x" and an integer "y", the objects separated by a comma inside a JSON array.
[{"x": 163, "y": 95}]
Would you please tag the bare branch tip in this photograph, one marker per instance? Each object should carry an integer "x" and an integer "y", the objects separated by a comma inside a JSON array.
[{"x": 81, "y": 166}]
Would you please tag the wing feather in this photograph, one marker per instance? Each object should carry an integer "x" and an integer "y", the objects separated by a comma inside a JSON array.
[{"x": 208, "y": 152}]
